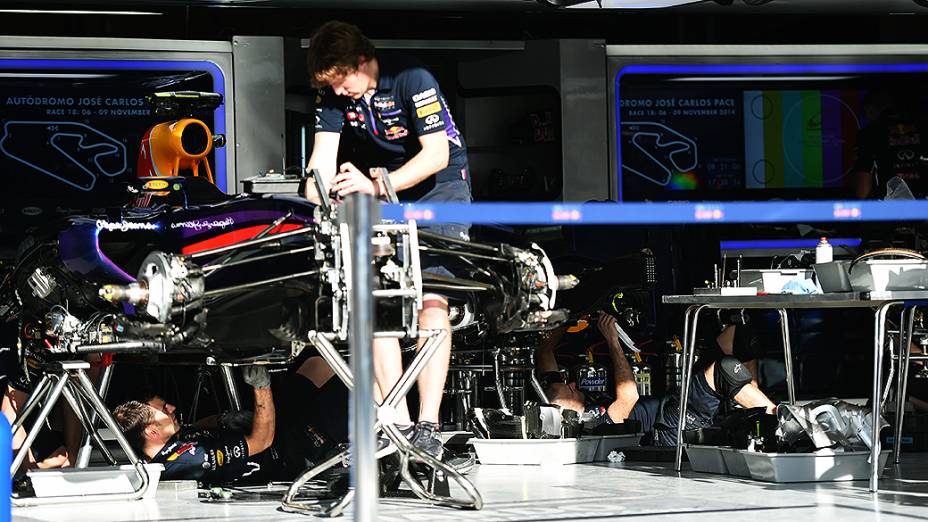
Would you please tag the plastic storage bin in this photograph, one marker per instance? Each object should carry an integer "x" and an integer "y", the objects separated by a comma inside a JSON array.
[
  {"x": 735, "y": 462},
  {"x": 706, "y": 459},
  {"x": 536, "y": 451},
  {"x": 824, "y": 465}
]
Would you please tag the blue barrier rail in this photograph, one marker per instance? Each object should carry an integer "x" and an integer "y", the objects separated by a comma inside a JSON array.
[{"x": 660, "y": 213}]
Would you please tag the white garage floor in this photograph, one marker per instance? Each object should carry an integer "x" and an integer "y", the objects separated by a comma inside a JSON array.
[{"x": 584, "y": 492}]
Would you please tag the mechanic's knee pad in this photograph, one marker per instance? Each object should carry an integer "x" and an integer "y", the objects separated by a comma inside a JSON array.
[{"x": 730, "y": 376}]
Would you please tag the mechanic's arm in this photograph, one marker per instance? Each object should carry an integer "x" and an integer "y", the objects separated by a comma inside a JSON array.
[
  {"x": 323, "y": 158},
  {"x": 626, "y": 391},
  {"x": 432, "y": 158},
  {"x": 262, "y": 428},
  {"x": 544, "y": 356}
]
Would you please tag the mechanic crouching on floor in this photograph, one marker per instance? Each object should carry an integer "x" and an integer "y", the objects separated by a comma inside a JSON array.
[
  {"x": 712, "y": 383},
  {"x": 211, "y": 454}
]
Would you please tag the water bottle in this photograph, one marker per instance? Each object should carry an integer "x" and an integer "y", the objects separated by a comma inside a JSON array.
[{"x": 823, "y": 252}]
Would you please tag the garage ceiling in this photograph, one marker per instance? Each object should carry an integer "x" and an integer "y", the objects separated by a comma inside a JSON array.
[{"x": 842, "y": 7}]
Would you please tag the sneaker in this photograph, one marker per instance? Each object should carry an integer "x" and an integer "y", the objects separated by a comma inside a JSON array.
[
  {"x": 22, "y": 487},
  {"x": 427, "y": 438}
]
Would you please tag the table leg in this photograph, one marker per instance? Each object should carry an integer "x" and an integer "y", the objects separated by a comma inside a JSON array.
[
  {"x": 787, "y": 356},
  {"x": 902, "y": 380},
  {"x": 879, "y": 332},
  {"x": 691, "y": 319}
]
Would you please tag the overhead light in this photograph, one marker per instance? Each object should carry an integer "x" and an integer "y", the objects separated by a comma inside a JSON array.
[
  {"x": 70, "y": 76},
  {"x": 616, "y": 4},
  {"x": 78, "y": 12},
  {"x": 757, "y": 78}
]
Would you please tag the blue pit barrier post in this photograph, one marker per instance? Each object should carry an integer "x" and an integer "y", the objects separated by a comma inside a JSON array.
[{"x": 6, "y": 460}]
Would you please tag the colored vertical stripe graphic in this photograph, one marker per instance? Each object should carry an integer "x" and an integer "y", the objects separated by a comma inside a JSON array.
[
  {"x": 773, "y": 139},
  {"x": 833, "y": 137},
  {"x": 793, "y": 132},
  {"x": 755, "y": 109},
  {"x": 851, "y": 123},
  {"x": 813, "y": 127}
]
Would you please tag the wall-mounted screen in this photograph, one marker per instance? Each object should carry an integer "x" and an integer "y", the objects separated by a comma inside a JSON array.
[
  {"x": 761, "y": 132},
  {"x": 71, "y": 129}
]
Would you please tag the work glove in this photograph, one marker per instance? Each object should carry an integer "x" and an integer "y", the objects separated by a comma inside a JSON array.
[{"x": 257, "y": 376}]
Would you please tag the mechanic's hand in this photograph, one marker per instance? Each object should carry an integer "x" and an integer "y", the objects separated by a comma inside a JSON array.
[
  {"x": 257, "y": 376},
  {"x": 607, "y": 326},
  {"x": 350, "y": 180}
]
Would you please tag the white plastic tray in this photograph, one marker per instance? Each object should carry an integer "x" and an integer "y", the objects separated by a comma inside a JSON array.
[
  {"x": 93, "y": 481},
  {"x": 536, "y": 451},
  {"x": 735, "y": 462},
  {"x": 822, "y": 466},
  {"x": 706, "y": 459}
]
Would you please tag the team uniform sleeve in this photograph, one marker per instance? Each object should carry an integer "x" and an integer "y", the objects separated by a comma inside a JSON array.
[
  {"x": 428, "y": 112},
  {"x": 330, "y": 111}
]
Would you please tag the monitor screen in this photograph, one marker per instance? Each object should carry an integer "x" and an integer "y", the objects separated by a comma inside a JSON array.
[
  {"x": 762, "y": 132},
  {"x": 71, "y": 130}
]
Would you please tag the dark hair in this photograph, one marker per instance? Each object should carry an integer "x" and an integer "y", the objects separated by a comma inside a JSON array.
[
  {"x": 335, "y": 50},
  {"x": 133, "y": 417}
]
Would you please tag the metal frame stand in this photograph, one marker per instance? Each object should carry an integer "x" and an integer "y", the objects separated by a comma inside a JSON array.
[
  {"x": 691, "y": 321},
  {"x": 906, "y": 334},
  {"x": 69, "y": 379},
  {"x": 385, "y": 424},
  {"x": 83, "y": 454}
]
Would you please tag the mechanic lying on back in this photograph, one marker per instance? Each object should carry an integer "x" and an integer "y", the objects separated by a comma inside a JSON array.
[
  {"x": 211, "y": 455},
  {"x": 719, "y": 380}
]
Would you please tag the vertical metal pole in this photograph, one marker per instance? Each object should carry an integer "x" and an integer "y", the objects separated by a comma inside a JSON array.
[
  {"x": 903, "y": 378},
  {"x": 879, "y": 331},
  {"x": 787, "y": 356},
  {"x": 689, "y": 357},
  {"x": 364, "y": 472}
]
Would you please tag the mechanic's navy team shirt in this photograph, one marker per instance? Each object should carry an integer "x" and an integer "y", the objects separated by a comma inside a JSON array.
[
  {"x": 208, "y": 456},
  {"x": 407, "y": 104}
]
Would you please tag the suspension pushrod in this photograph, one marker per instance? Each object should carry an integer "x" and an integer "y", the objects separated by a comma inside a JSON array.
[
  {"x": 211, "y": 268},
  {"x": 461, "y": 253},
  {"x": 438, "y": 237},
  {"x": 246, "y": 286}
]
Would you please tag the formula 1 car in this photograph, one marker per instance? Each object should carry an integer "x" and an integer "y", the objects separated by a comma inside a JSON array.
[
  {"x": 186, "y": 268},
  {"x": 249, "y": 276}
]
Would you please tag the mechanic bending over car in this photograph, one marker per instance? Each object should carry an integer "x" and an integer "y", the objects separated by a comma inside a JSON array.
[
  {"x": 392, "y": 115},
  {"x": 242, "y": 447},
  {"x": 713, "y": 382}
]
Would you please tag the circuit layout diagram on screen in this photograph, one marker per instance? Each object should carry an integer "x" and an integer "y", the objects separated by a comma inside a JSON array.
[
  {"x": 71, "y": 152},
  {"x": 657, "y": 151}
]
